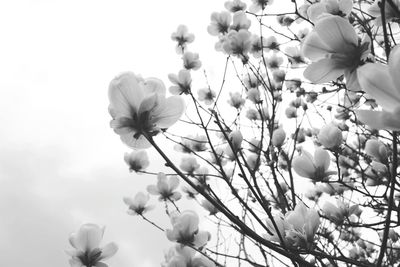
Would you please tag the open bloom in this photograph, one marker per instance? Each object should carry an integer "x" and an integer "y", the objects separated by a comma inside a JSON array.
[
  {"x": 186, "y": 229},
  {"x": 138, "y": 204},
  {"x": 182, "y": 82},
  {"x": 220, "y": 23},
  {"x": 179, "y": 256},
  {"x": 165, "y": 187},
  {"x": 138, "y": 106},
  {"x": 235, "y": 5},
  {"x": 316, "y": 167},
  {"x": 297, "y": 228},
  {"x": 258, "y": 5},
  {"x": 382, "y": 83},
  {"x": 334, "y": 48},
  {"x": 137, "y": 160},
  {"x": 191, "y": 61},
  {"x": 86, "y": 244},
  {"x": 340, "y": 212},
  {"x": 182, "y": 37},
  {"x": 335, "y": 7}
]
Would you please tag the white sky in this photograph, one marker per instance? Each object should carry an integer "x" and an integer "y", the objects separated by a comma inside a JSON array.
[{"x": 60, "y": 163}]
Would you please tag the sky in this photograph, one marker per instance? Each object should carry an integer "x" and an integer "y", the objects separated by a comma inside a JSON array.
[{"x": 60, "y": 163}]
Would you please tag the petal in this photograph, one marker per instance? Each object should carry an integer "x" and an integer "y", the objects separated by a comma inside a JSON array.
[
  {"x": 313, "y": 47},
  {"x": 123, "y": 125},
  {"x": 337, "y": 33},
  {"x": 322, "y": 71},
  {"x": 108, "y": 251},
  {"x": 154, "y": 85},
  {"x": 346, "y": 6},
  {"x": 394, "y": 68},
  {"x": 322, "y": 158},
  {"x": 376, "y": 81},
  {"x": 201, "y": 238},
  {"x": 135, "y": 143},
  {"x": 170, "y": 113},
  {"x": 101, "y": 264},
  {"x": 173, "y": 182},
  {"x": 152, "y": 189},
  {"x": 125, "y": 94},
  {"x": 378, "y": 119},
  {"x": 352, "y": 82},
  {"x": 75, "y": 263},
  {"x": 303, "y": 165},
  {"x": 315, "y": 10},
  {"x": 89, "y": 237}
]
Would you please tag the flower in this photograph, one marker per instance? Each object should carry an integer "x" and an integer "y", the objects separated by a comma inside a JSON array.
[
  {"x": 339, "y": 213},
  {"x": 240, "y": 21},
  {"x": 137, "y": 160},
  {"x": 330, "y": 136},
  {"x": 278, "y": 137},
  {"x": 182, "y": 82},
  {"x": 377, "y": 150},
  {"x": 165, "y": 188},
  {"x": 209, "y": 207},
  {"x": 235, "y": 5},
  {"x": 189, "y": 164},
  {"x": 207, "y": 95},
  {"x": 182, "y": 37},
  {"x": 335, "y": 7},
  {"x": 138, "y": 106},
  {"x": 86, "y": 244},
  {"x": 186, "y": 229},
  {"x": 236, "y": 100},
  {"x": 259, "y": 5},
  {"x": 334, "y": 49},
  {"x": 237, "y": 43},
  {"x": 192, "y": 143},
  {"x": 220, "y": 23},
  {"x": 316, "y": 167},
  {"x": 297, "y": 228},
  {"x": 294, "y": 56},
  {"x": 191, "y": 61},
  {"x": 183, "y": 256},
  {"x": 137, "y": 205},
  {"x": 382, "y": 83}
]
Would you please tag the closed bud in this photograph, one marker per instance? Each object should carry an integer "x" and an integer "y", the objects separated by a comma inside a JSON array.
[
  {"x": 330, "y": 136},
  {"x": 278, "y": 137}
]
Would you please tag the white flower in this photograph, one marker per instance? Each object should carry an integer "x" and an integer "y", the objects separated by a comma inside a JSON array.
[
  {"x": 240, "y": 21},
  {"x": 340, "y": 212},
  {"x": 220, "y": 23},
  {"x": 191, "y": 61},
  {"x": 377, "y": 150},
  {"x": 334, "y": 49},
  {"x": 137, "y": 160},
  {"x": 382, "y": 83},
  {"x": 139, "y": 107},
  {"x": 86, "y": 244},
  {"x": 237, "y": 43},
  {"x": 207, "y": 95},
  {"x": 278, "y": 137},
  {"x": 186, "y": 229},
  {"x": 259, "y": 5},
  {"x": 335, "y": 7},
  {"x": 294, "y": 55},
  {"x": 183, "y": 256},
  {"x": 330, "y": 136},
  {"x": 235, "y": 5},
  {"x": 236, "y": 100},
  {"x": 165, "y": 188},
  {"x": 236, "y": 139},
  {"x": 182, "y": 37},
  {"x": 316, "y": 167},
  {"x": 274, "y": 61},
  {"x": 189, "y": 164},
  {"x": 182, "y": 82},
  {"x": 138, "y": 204}
]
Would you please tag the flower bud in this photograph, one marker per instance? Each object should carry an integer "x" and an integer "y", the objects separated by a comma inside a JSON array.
[
  {"x": 278, "y": 137},
  {"x": 330, "y": 136}
]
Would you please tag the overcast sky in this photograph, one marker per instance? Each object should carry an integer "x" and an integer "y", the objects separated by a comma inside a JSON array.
[{"x": 60, "y": 163}]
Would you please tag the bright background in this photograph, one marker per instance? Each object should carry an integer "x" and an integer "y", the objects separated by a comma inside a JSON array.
[{"x": 60, "y": 163}]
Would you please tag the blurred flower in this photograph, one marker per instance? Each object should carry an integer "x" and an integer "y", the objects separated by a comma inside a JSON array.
[
  {"x": 382, "y": 83},
  {"x": 340, "y": 8},
  {"x": 340, "y": 212},
  {"x": 274, "y": 61},
  {"x": 137, "y": 160},
  {"x": 271, "y": 43},
  {"x": 315, "y": 168},
  {"x": 291, "y": 112},
  {"x": 278, "y": 75},
  {"x": 183, "y": 256},
  {"x": 182, "y": 82},
  {"x": 189, "y": 164},
  {"x": 209, "y": 207},
  {"x": 220, "y": 23},
  {"x": 139, "y": 106},
  {"x": 334, "y": 49},
  {"x": 240, "y": 21},
  {"x": 278, "y": 137},
  {"x": 192, "y": 143},
  {"x": 86, "y": 244},
  {"x": 186, "y": 229},
  {"x": 253, "y": 161},
  {"x": 390, "y": 13},
  {"x": 377, "y": 150},
  {"x": 137, "y": 205},
  {"x": 236, "y": 139},
  {"x": 257, "y": 45},
  {"x": 294, "y": 55},
  {"x": 237, "y": 43},
  {"x": 284, "y": 20},
  {"x": 207, "y": 95},
  {"x": 259, "y": 5},
  {"x": 191, "y": 61},
  {"x": 236, "y": 100},
  {"x": 254, "y": 95},
  {"x": 330, "y": 136},
  {"x": 182, "y": 37},
  {"x": 235, "y": 5},
  {"x": 165, "y": 187}
]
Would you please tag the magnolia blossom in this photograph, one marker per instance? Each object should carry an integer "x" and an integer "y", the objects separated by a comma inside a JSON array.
[
  {"x": 182, "y": 82},
  {"x": 220, "y": 23},
  {"x": 295, "y": 56},
  {"x": 137, "y": 160},
  {"x": 382, "y": 83},
  {"x": 274, "y": 61},
  {"x": 191, "y": 61},
  {"x": 138, "y": 106},
  {"x": 237, "y": 43},
  {"x": 240, "y": 21},
  {"x": 189, "y": 164},
  {"x": 259, "y": 5},
  {"x": 377, "y": 150},
  {"x": 278, "y": 137},
  {"x": 335, "y": 7},
  {"x": 330, "y": 136},
  {"x": 165, "y": 187},
  {"x": 192, "y": 143},
  {"x": 297, "y": 228},
  {"x": 209, "y": 207},
  {"x": 236, "y": 100},
  {"x": 86, "y": 243},
  {"x": 334, "y": 48},
  {"x": 138, "y": 204},
  {"x": 235, "y": 5},
  {"x": 186, "y": 229},
  {"x": 316, "y": 167},
  {"x": 340, "y": 212},
  {"x": 207, "y": 95},
  {"x": 183, "y": 256},
  {"x": 182, "y": 37}
]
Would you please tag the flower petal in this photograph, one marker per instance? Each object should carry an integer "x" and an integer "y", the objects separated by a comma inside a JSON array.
[
  {"x": 303, "y": 165},
  {"x": 322, "y": 71},
  {"x": 108, "y": 251},
  {"x": 337, "y": 33},
  {"x": 376, "y": 81},
  {"x": 201, "y": 238},
  {"x": 346, "y": 6},
  {"x": 379, "y": 119},
  {"x": 315, "y": 10},
  {"x": 394, "y": 68},
  {"x": 89, "y": 237},
  {"x": 154, "y": 85},
  {"x": 314, "y": 48},
  {"x": 322, "y": 158},
  {"x": 170, "y": 113}
]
